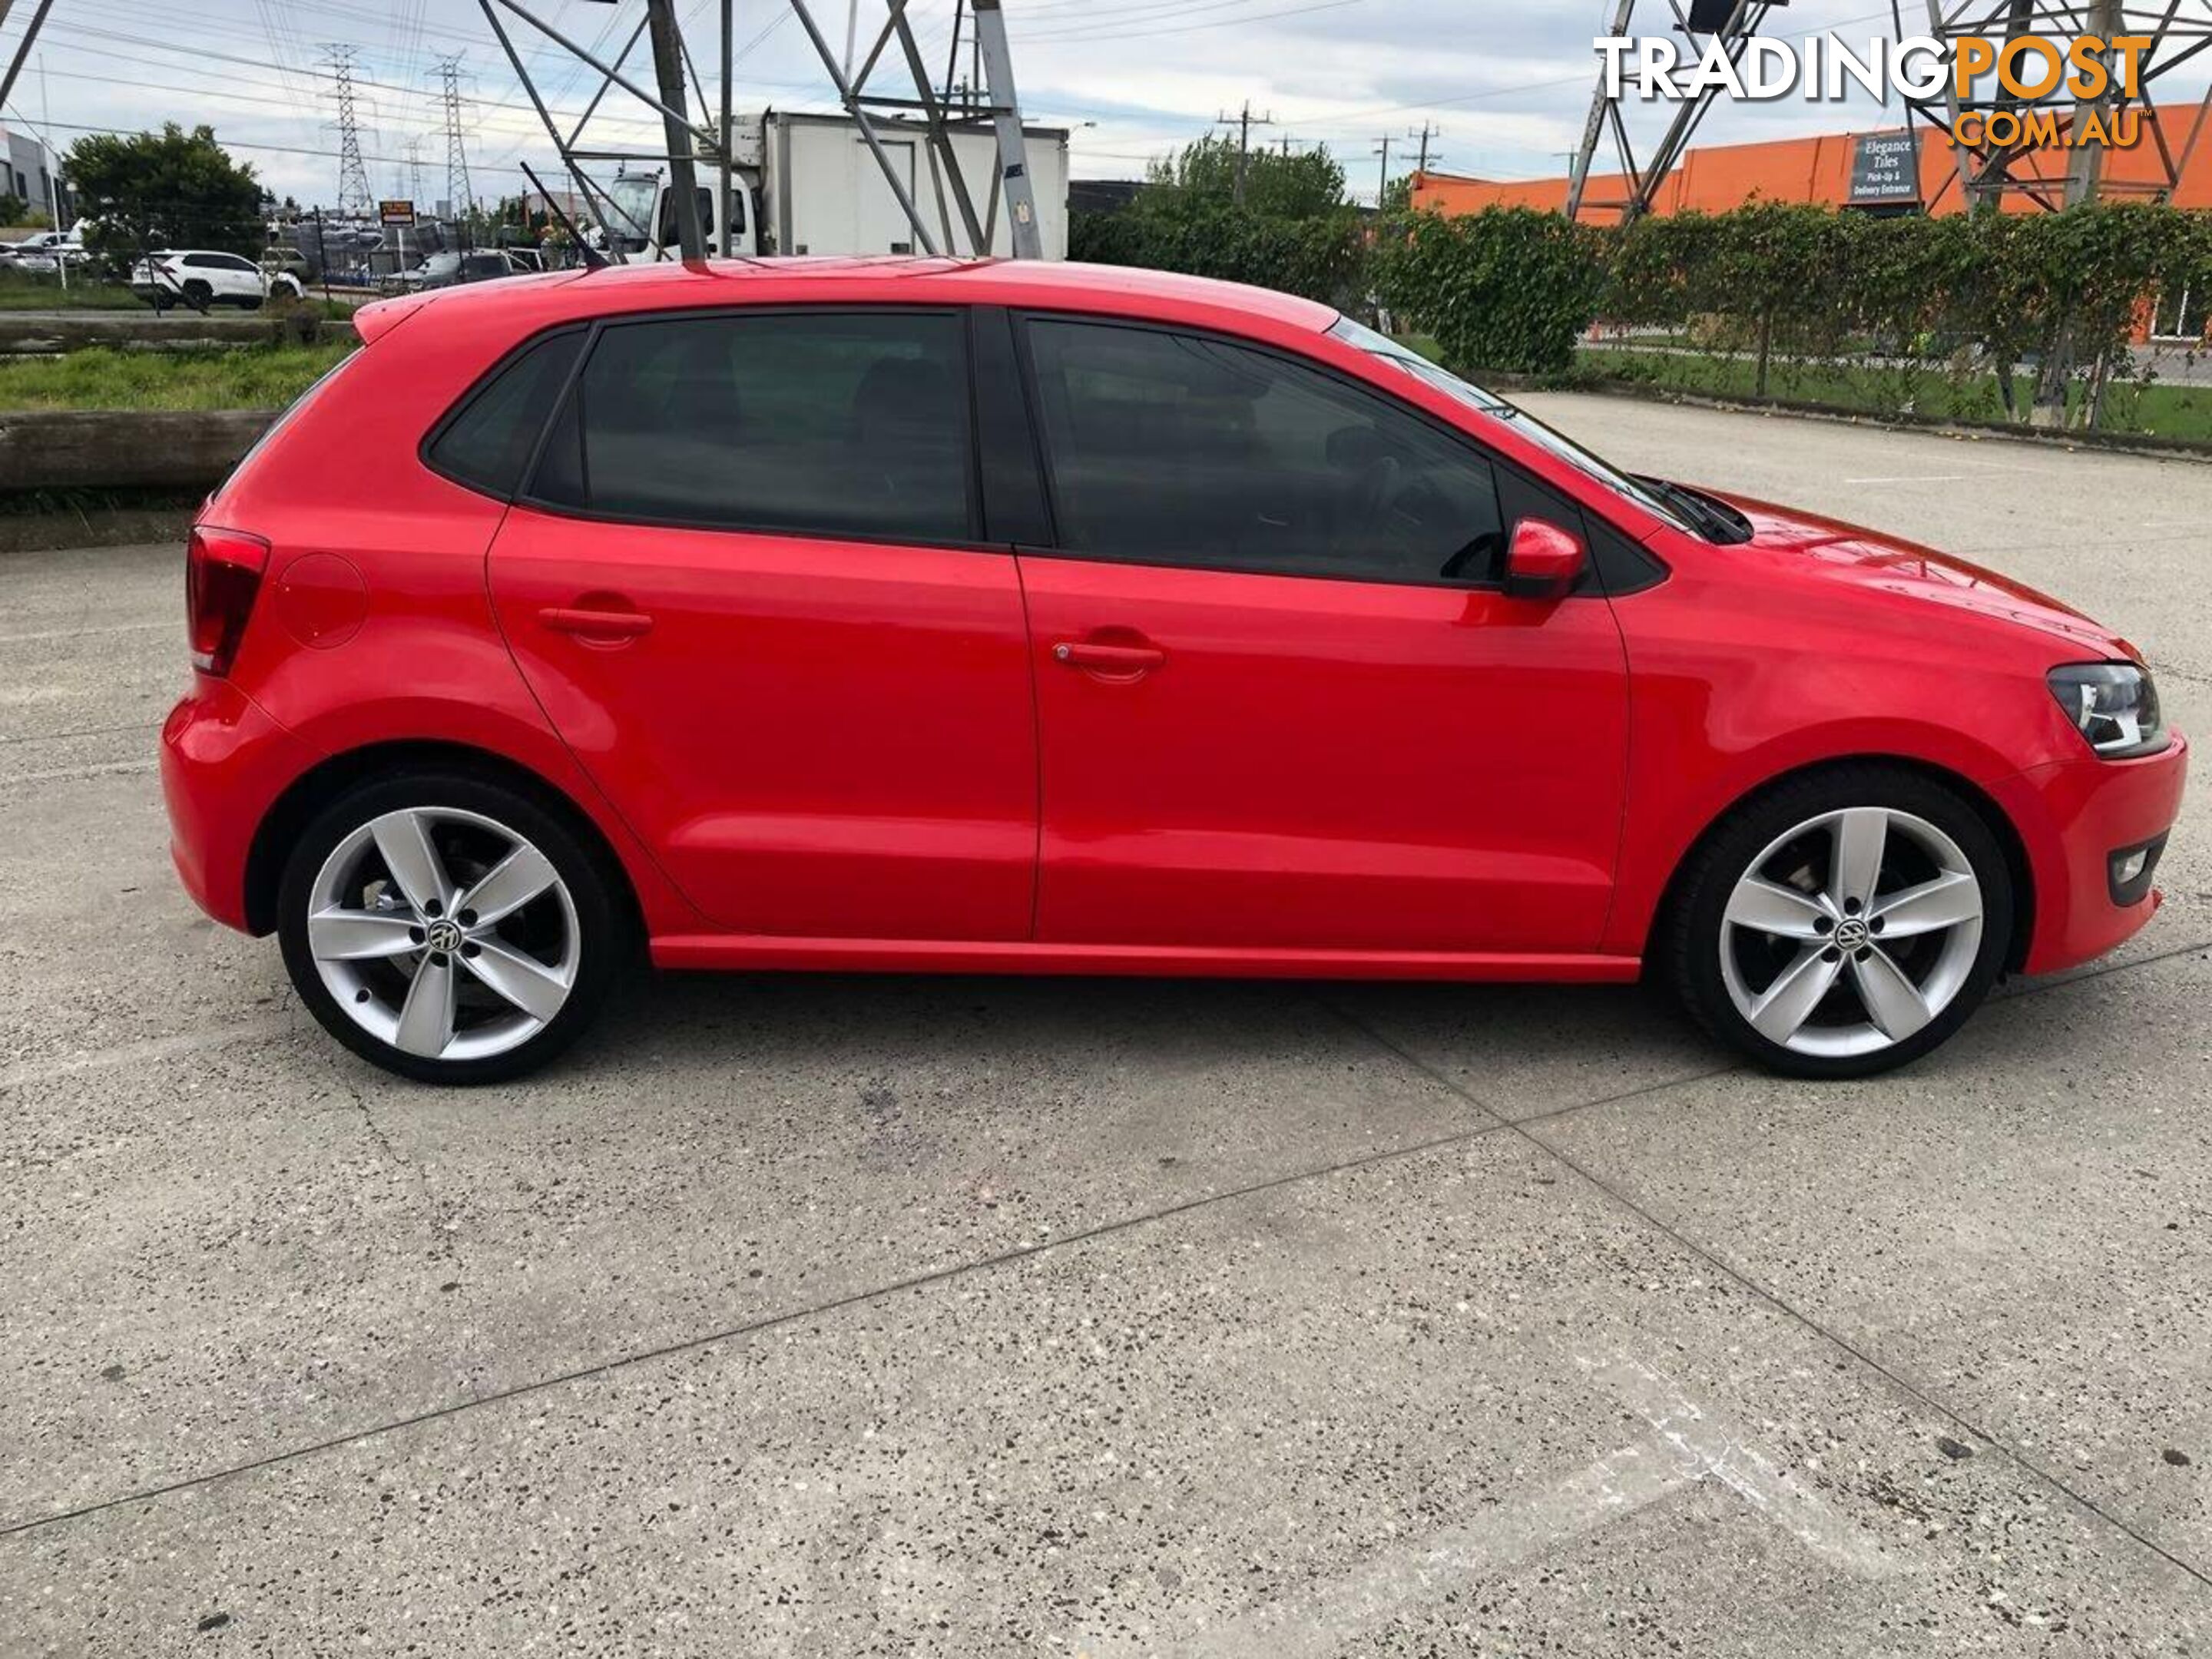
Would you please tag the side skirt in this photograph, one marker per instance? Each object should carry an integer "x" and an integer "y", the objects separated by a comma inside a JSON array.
[{"x": 847, "y": 956}]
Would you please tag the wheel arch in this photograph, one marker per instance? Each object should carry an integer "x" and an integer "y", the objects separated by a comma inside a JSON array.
[
  {"x": 1999, "y": 823},
  {"x": 290, "y": 814}
]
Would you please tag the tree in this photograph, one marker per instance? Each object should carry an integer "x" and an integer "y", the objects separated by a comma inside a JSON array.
[
  {"x": 1304, "y": 186},
  {"x": 12, "y": 208},
  {"x": 169, "y": 189}
]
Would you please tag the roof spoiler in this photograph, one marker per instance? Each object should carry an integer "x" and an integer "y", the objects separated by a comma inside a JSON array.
[{"x": 380, "y": 317}]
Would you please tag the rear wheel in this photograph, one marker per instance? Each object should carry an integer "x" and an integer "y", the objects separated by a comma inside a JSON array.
[
  {"x": 448, "y": 929},
  {"x": 1843, "y": 924}
]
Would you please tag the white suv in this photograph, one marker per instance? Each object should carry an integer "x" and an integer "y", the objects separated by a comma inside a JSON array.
[{"x": 200, "y": 279}]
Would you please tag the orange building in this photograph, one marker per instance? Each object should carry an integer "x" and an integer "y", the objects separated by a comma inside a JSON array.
[{"x": 1718, "y": 177}]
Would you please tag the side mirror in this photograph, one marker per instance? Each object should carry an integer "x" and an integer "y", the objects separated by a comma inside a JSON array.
[{"x": 1542, "y": 561}]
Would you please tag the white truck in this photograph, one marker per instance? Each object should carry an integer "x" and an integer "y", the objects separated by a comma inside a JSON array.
[{"x": 809, "y": 184}]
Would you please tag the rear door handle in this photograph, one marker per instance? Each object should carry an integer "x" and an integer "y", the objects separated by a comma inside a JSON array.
[
  {"x": 596, "y": 624},
  {"x": 1129, "y": 660}
]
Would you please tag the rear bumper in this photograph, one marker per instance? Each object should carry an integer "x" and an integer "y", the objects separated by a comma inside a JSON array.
[
  {"x": 223, "y": 764},
  {"x": 2073, "y": 815}
]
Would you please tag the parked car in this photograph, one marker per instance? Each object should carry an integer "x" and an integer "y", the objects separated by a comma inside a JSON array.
[
  {"x": 450, "y": 270},
  {"x": 915, "y": 615},
  {"x": 287, "y": 262},
  {"x": 200, "y": 279},
  {"x": 23, "y": 256},
  {"x": 56, "y": 245}
]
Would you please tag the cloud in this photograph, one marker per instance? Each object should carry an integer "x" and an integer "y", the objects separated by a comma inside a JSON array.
[{"x": 1508, "y": 84}]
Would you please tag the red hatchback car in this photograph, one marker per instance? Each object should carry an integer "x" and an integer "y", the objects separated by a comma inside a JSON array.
[{"x": 922, "y": 614}]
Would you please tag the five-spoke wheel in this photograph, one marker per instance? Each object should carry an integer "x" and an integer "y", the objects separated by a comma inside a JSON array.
[
  {"x": 446, "y": 928},
  {"x": 1845, "y": 923}
]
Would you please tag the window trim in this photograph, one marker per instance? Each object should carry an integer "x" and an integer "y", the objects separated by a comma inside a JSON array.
[
  {"x": 963, "y": 315},
  {"x": 1024, "y": 316}
]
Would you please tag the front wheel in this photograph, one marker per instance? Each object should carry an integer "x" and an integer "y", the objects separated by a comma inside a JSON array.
[
  {"x": 1843, "y": 924},
  {"x": 448, "y": 929}
]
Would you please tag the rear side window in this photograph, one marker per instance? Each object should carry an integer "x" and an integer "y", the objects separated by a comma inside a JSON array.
[
  {"x": 488, "y": 444},
  {"x": 832, "y": 423}
]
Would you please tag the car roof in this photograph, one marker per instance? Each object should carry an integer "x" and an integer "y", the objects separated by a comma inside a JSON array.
[{"x": 669, "y": 285}]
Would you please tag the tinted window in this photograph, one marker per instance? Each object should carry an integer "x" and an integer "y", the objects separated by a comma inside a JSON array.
[
  {"x": 488, "y": 443},
  {"x": 704, "y": 196},
  {"x": 1175, "y": 449},
  {"x": 842, "y": 424}
]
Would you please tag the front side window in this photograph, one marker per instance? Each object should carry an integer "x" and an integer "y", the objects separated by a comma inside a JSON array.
[
  {"x": 1180, "y": 449},
  {"x": 833, "y": 423},
  {"x": 1416, "y": 366}
]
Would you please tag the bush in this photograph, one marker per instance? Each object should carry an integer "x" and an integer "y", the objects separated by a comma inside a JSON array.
[
  {"x": 1508, "y": 288},
  {"x": 1320, "y": 257}
]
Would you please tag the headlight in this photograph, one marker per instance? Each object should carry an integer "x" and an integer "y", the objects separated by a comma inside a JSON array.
[{"x": 2114, "y": 705}]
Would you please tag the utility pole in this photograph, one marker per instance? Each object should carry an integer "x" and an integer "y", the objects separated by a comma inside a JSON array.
[
  {"x": 1244, "y": 121},
  {"x": 1426, "y": 133},
  {"x": 1382, "y": 183},
  {"x": 354, "y": 196},
  {"x": 668, "y": 73}
]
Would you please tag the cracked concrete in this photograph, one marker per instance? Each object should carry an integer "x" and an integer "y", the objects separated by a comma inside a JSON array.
[{"x": 829, "y": 1316}]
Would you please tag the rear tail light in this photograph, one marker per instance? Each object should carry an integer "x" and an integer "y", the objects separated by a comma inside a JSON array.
[{"x": 222, "y": 573}]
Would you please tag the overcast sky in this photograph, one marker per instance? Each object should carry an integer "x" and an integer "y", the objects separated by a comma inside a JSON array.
[{"x": 1507, "y": 82}]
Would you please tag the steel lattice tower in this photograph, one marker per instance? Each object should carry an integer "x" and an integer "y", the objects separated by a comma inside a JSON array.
[
  {"x": 459, "y": 202},
  {"x": 354, "y": 194}
]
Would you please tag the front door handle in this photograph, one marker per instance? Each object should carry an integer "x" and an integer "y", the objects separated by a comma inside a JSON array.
[
  {"x": 595, "y": 624},
  {"x": 1126, "y": 661}
]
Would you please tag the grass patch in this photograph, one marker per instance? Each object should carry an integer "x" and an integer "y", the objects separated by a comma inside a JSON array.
[
  {"x": 100, "y": 377},
  {"x": 2177, "y": 411},
  {"x": 28, "y": 290}
]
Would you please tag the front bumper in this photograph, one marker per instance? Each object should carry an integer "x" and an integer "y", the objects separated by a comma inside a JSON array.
[
  {"x": 224, "y": 763},
  {"x": 2073, "y": 815}
]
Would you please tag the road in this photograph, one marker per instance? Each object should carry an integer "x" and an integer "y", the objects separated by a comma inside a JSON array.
[{"x": 834, "y": 1316}]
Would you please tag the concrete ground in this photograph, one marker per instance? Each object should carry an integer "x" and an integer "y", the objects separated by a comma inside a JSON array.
[{"x": 829, "y": 1316}]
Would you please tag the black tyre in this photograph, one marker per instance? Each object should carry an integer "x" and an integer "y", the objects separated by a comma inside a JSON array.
[
  {"x": 449, "y": 929},
  {"x": 1843, "y": 923},
  {"x": 198, "y": 296}
]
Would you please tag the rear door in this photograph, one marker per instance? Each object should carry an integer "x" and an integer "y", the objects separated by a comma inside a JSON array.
[
  {"x": 746, "y": 583},
  {"x": 1283, "y": 702}
]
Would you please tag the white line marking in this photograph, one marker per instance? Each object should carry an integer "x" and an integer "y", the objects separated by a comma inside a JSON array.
[
  {"x": 1918, "y": 478},
  {"x": 86, "y": 633},
  {"x": 74, "y": 773},
  {"x": 149, "y": 1049},
  {"x": 1686, "y": 1447}
]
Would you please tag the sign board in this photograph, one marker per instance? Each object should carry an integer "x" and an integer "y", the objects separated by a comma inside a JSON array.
[
  {"x": 1885, "y": 168},
  {"x": 396, "y": 213}
]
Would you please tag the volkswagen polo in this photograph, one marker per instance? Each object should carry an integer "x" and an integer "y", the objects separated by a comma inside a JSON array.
[{"x": 1039, "y": 618}]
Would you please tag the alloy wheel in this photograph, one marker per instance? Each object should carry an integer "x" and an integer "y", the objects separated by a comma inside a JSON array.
[
  {"x": 1851, "y": 932},
  {"x": 444, "y": 933}
]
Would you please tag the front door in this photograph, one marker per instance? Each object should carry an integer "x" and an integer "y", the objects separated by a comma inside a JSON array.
[
  {"x": 1283, "y": 702},
  {"x": 745, "y": 585}
]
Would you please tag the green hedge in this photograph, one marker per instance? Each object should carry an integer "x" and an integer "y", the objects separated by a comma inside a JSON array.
[
  {"x": 1321, "y": 257},
  {"x": 1913, "y": 303}
]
